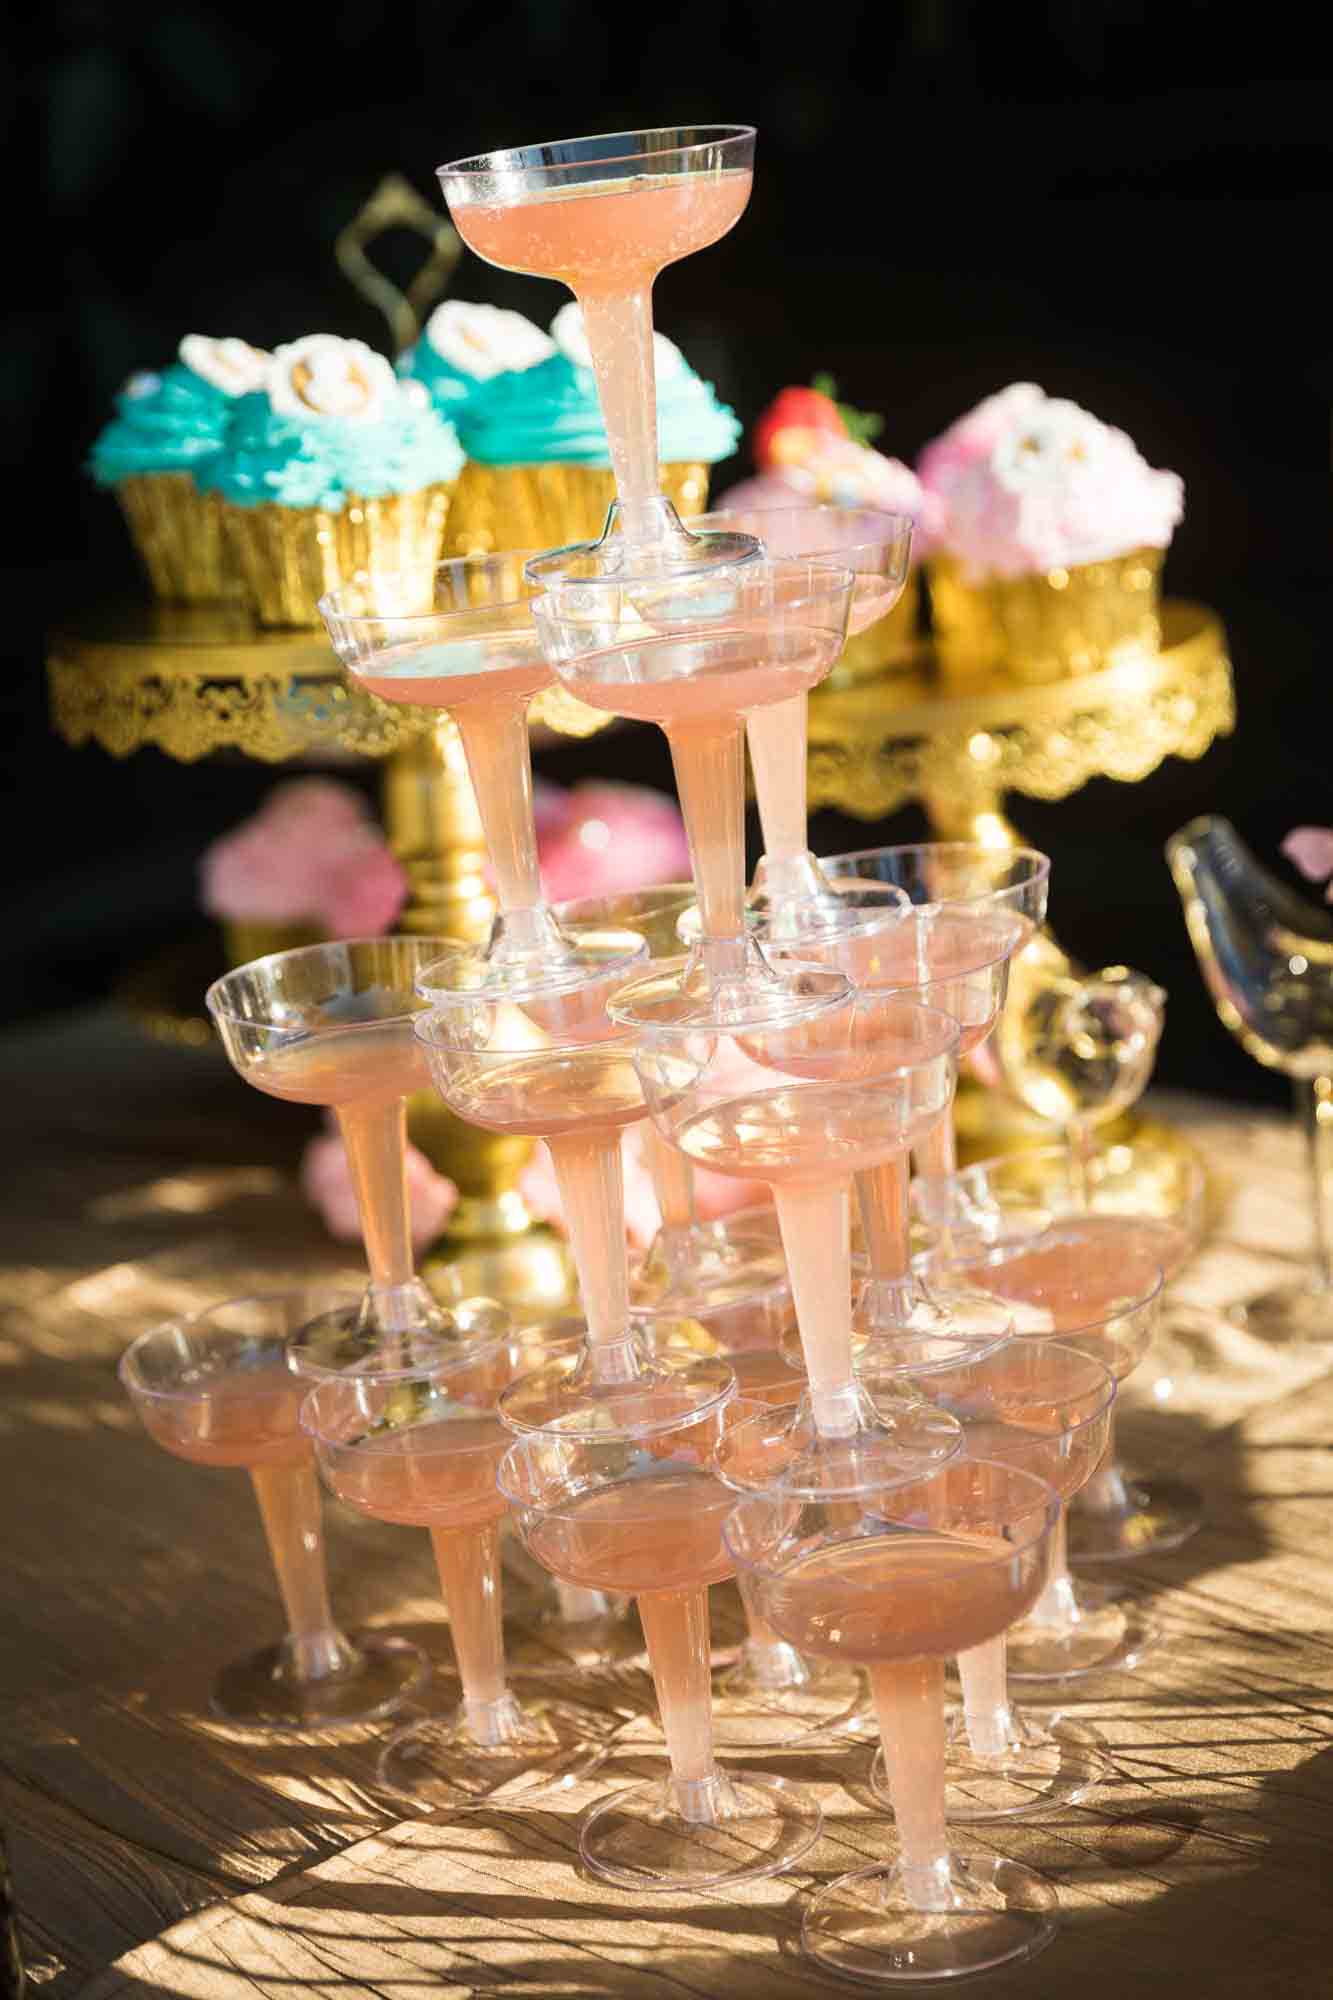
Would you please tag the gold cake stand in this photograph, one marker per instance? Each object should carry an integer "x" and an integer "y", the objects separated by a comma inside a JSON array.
[{"x": 959, "y": 748}]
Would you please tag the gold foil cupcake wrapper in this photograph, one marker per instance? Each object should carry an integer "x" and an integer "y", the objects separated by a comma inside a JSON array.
[
  {"x": 1059, "y": 625},
  {"x": 288, "y": 557},
  {"x": 545, "y": 506},
  {"x": 177, "y": 531}
]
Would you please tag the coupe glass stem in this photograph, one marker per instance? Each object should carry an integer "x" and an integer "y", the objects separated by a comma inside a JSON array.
[
  {"x": 675, "y": 1626},
  {"x": 1057, "y": 1609},
  {"x": 1081, "y": 1145},
  {"x": 909, "y": 1700},
  {"x": 591, "y": 1176},
  {"x": 937, "y": 1153},
  {"x": 986, "y": 1710},
  {"x": 499, "y": 762},
  {"x": 771, "y": 1661},
  {"x": 673, "y": 1185},
  {"x": 709, "y": 761},
  {"x": 1315, "y": 1097},
  {"x": 1105, "y": 1491},
  {"x": 777, "y": 757},
  {"x": 289, "y": 1506},
  {"x": 468, "y": 1562},
  {"x": 815, "y": 1225},
  {"x": 375, "y": 1136},
  {"x": 619, "y": 328}
]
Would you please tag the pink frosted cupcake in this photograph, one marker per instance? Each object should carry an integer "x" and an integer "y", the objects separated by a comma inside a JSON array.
[{"x": 1050, "y": 536}]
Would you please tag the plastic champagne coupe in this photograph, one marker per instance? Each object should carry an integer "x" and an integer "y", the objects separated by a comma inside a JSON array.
[
  {"x": 331, "y": 1025},
  {"x": 771, "y": 1697},
  {"x": 604, "y": 215},
  {"x": 1012, "y": 881},
  {"x": 459, "y": 639},
  {"x": 896, "y": 1579},
  {"x": 691, "y": 1268},
  {"x": 804, "y": 1105},
  {"x": 215, "y": 1389},
  {"x": 505, "y": 1067},
  {"x": 789, "y": 889},
  {"x": 1122, "y": 1512},
  {"x": 955, "y": 958},
  {"x": 644, "y": 1512},
  {"x": 696, "y": 653},
  {"x": 1045, "y": 1409},
  {"x": 1096, "y": 1285},
  {"x": 421, "y": 1449}
]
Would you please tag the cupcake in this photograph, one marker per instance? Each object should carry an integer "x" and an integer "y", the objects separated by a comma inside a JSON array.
[
  {"x": 1053, "y": 532},
  {"x": 539, "y": 469},
  {"x": 812, "y": 450},
  {"x": 334, "y": 466},
  {"x": 166, "y": 425},
  {"x": 463, "y": 346}
]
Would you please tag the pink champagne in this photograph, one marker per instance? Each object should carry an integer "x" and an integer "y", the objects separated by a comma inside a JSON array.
[
  {"x": 679, "y": 681},
  {"x": 362, "y": 1064},
  {"x": 1093, "y": 1281},
  {"x": 248, "y": 1417},
  {"x": 607, "y": 237},
  {"x": 430, "y": 1475},
  {"x": 888, "y": 1598},
  {"x": 455, "y": 672}
]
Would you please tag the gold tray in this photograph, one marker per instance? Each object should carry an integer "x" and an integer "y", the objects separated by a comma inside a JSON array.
[
  {"x": 908, "y": 735},
  {"x": 192, "y": 679}
]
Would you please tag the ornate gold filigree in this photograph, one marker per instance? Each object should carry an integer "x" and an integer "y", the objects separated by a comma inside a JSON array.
[{"x": 878, "y": 747}]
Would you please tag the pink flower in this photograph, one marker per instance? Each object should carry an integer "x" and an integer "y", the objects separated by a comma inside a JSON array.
[
  {"x": 1310, "y": 848},
  {"x": 326, "y": 1182},
  {"x": 611, "y": 838},
  {"x": 363, "y": 890},
  {"x": 311, "y": 854}
]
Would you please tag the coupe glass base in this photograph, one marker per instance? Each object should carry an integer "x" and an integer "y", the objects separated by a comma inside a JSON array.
[
  {"x": 1105, "y": 1638},
  {"x": 721, "y": 1266},
  {"x": 865, "y": 1927},
  {"x": 935, "y": 1329},
  {"x": 567, "y": 1396},
  {"x": 1157, "y": 1515},
  {"x": 753, "y": 1713},
  {"x": 639, "y": 1838},
  {"x": 440, "y": 1764},
  {"x": 1292, "y": 1313},
  {"x": 418, "y": 1332},
  {"x": 1047, "y": 1761},
  {"x": 262, "y": 1691}
]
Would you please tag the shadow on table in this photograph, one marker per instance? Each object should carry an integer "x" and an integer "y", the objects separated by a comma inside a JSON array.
[{"x": 1180, "y": 1896}]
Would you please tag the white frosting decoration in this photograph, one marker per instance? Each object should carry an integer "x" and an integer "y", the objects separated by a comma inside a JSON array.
[
  {"x": 230, "y": 365},
  {"x": 569, "y": 336},
  {"x": 322, "y": 375},
  {"x": 482, "y": 341}
]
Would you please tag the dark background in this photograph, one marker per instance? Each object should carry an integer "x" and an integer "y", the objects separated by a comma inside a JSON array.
[{"x": 1129, "y": 204}]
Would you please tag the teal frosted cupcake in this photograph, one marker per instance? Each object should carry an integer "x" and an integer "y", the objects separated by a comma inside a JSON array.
[
  {"x": 166, "y": 426},
  {"x": 335, "y": 466},
  {"x": 462, "y": 347},
  {"x": 539, "y": 468}
]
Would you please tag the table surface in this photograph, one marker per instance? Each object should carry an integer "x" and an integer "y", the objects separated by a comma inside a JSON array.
[{"x": 154, "y": 1852}]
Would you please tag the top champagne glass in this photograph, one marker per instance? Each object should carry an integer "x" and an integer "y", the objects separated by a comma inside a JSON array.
[{"x": 604, "y": 215}]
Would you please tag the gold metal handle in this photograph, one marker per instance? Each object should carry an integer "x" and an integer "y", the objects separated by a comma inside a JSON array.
[{"x": 395, "y": 204}]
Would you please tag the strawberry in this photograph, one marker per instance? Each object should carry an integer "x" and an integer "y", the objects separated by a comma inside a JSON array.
[{"x": 794, "y": 422}]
